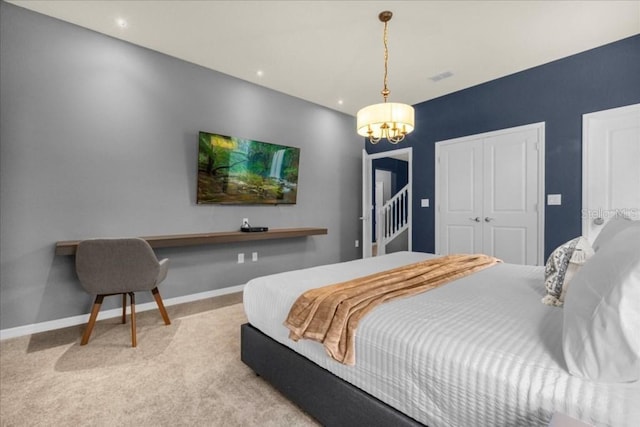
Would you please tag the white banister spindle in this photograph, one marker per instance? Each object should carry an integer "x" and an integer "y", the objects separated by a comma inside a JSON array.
[
  {"x": 395, "y": 216},
  {"x": 392, "y": 218}
]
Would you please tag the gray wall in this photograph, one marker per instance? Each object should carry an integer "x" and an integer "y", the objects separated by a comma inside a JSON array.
[{"x": 99, "y": 137}]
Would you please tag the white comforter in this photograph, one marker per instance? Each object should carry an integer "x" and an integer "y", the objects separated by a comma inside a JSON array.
[{"x": 479, "y": 351}]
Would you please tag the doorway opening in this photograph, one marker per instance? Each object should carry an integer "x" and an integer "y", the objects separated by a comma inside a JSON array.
[{"x": 387, "y": 202}]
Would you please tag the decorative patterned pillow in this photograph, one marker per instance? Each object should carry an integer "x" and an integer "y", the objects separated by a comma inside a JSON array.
[{"x": 562, "y": 264}]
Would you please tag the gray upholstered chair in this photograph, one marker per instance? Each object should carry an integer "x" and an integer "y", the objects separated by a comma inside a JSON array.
[{"x": 119, "y": 267}]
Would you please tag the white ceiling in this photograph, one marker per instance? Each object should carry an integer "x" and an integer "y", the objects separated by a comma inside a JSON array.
[{"x": 326, "y": 51}]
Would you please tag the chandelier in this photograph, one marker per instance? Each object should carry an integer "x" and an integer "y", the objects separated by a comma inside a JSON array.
[{"x": 390, "y": 120}]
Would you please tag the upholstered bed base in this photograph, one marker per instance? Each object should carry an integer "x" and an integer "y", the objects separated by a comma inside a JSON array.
[{"x": 329, "y": 399}]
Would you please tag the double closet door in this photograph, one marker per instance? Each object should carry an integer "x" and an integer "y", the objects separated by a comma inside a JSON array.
[{"x": 489, "y": 193}]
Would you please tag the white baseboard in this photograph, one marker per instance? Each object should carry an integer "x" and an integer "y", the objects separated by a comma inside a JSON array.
[{"x": 116, "y": 312}]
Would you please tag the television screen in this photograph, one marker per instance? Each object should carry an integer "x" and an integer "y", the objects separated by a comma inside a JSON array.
[{"x": 242, "y": 171}]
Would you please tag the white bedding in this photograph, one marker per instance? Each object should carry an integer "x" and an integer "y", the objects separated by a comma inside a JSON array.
[{"x": 479, "y": 351}]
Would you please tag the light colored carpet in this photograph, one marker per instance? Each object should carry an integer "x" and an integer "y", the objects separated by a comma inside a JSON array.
[{"x": 186, "y": 374}]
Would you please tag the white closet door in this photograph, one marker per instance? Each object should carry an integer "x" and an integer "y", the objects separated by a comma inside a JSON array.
[
  {"x": 488, "y": 190},
  {"x": 611, "y": 167},
  {"x": 511, "y": 194},
  {"x": 460, "y": 198}
]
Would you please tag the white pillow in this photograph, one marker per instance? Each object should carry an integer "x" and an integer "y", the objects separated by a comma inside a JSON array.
[
  {"x": 601, "y": 329},
  {"x": 611, "y": 228},
  {"x": 561, "y": 266}
]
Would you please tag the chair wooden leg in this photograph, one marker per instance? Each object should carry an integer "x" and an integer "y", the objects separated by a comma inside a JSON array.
[
  {"x": 92, "y": 319},
  {"x": 124, "y": 308},
  {"x": 163, "y": 311},
  {"x": 133, "y": 319}
]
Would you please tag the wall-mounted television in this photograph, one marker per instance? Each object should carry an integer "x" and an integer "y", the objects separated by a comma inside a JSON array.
[{"x": 234, "y": 170}]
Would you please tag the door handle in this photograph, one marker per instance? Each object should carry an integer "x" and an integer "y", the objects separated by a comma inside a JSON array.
[
  {"x": 476, "y": 219},
  {"x": 488, "y": 219},
  {"x": 598, "y": 221}
]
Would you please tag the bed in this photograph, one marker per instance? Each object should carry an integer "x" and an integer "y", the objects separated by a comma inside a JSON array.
[{"x": 479, "y": 351}]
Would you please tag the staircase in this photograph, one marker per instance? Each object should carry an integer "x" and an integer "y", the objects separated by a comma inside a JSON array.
[{"x": 392, "y": 219}]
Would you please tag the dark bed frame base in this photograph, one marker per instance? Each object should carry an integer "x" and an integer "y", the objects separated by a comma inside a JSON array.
[{"x": 329, "y": 399}]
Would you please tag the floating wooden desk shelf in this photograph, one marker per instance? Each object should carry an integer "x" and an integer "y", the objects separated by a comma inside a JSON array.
[{"x": 68, "y": 247}]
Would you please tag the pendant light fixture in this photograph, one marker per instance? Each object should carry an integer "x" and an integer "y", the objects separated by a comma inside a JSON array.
[{"x": 390, "y": 120}]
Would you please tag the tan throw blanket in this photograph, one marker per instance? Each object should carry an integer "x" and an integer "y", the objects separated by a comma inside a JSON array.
[{"x": 330, "y": 314}]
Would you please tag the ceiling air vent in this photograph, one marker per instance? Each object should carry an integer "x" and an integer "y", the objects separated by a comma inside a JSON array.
[{"x": 441, "y": 76}]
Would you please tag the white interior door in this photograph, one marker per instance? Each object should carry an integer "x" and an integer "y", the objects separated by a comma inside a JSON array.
[
  {"x": 367, "y": 206},
  {"x": 459, "y": 198},
  {"x": 383, "y": 177},
  {"x": 610, "y": 167},
  {"x": 510, "y": 208},
  {"x": 488, "y": 190}
]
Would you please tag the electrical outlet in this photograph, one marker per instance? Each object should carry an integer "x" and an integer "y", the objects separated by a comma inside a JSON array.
[
  {"x": 254, "y": 256},
  {"x": 357, "y": 243},
  {"x": 240, "y": 258}
]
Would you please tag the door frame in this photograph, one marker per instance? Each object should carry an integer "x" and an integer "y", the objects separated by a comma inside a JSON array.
[
  {"x": 405, "y": 154},
  {"x": 587, "y": 121},
  {"x": 540, "y": 206}
]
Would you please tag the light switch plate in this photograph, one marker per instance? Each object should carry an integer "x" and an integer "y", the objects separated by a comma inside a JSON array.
[
  {"x": 424, "y": 203},
  {"x": 554, "y": 199}
]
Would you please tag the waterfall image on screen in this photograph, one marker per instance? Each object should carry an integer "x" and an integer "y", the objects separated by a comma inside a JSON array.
[
  {"x": 242, "y": 171},
  {"x": 276, "y": 164}
]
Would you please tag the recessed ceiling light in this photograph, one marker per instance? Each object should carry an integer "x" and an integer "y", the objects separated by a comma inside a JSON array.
[
  {"x": 122, "y": 23},
  {"x": 340, "y": 102},
  {"x": 259, "y": 73}
]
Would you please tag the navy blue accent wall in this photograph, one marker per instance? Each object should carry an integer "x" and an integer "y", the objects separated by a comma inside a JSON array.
[
  {"x": 557, "y": 93},
  {"x": 399, "y": 172}
]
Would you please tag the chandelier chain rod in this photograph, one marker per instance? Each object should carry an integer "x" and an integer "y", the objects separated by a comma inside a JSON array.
[{"x": 385, "y": 91}]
